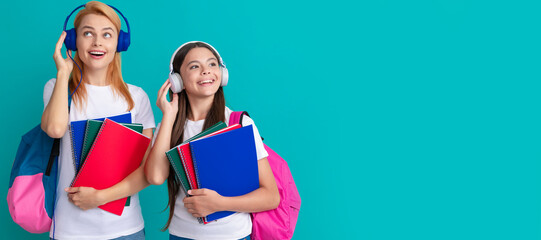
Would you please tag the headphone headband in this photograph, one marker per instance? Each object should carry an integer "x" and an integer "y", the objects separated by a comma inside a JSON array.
[
  {"x": 68, "y": 18},
  {"x": 178, "y": 49}
]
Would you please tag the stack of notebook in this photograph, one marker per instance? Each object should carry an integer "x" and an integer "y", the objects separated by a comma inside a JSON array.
[
  {"x": 106, "y": 152},
  {"x": 222, "y": 159}
]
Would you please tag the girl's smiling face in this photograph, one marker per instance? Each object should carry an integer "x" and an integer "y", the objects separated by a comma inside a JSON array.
[
  {"x": 97, "y": 39},
  {"x": 201, "y": 73}
]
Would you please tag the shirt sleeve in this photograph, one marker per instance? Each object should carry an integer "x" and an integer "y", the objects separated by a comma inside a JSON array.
[
  {"x": 48, "y": 92},
  {"x": 260, "y": 149},
  {"x": 144, "y": 113},
  {"x": 155, "y": 134}
]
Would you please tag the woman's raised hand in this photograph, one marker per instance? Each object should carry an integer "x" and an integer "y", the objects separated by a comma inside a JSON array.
[
  {"x": 63, "y": 65},
  {"x": 169, "y": 109}
]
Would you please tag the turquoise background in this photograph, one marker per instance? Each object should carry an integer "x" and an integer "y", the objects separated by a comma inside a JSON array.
[{"x": 399, "y": 119}]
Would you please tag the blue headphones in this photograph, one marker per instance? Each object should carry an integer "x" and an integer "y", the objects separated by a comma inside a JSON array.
[{"x": 71, "y": 37}]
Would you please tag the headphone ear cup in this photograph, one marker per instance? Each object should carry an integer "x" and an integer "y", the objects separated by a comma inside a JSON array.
[
  {"x": 123, "y": 41},
  {"x": 176, "y": 82},
  {"x": 71, "y": 39},
  {"x": 225, "y": 76}
]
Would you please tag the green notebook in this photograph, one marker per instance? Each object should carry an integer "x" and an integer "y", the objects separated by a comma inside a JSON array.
[
  {"x": 176, "y": 162},
  {"x": 174, "y": 159},
  {"x": 92, "y": 129}
]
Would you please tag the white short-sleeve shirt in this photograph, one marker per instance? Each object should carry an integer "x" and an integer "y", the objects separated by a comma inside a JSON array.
[{"x": 70, "y": 222}]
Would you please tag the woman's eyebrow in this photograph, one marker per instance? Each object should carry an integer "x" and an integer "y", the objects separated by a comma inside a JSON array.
[{"x": 103, "y": 29}]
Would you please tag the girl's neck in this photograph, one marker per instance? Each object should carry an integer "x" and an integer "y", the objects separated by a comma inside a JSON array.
[
  {"x": 199, "y": 107},
  {"x": 96, "y": 77}
]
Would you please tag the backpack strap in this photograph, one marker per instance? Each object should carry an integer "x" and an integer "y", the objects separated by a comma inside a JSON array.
[{"x": 236, "y": 117}]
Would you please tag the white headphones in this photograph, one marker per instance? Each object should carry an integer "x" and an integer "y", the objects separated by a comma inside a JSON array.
[{"x": 175, "y": 79}]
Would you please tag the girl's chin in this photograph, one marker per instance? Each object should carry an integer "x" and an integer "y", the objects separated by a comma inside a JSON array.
[{"x": 201, "y": 95}]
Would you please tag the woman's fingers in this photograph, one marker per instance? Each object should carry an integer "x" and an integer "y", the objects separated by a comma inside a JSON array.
[{"x": 58, "y": 46}]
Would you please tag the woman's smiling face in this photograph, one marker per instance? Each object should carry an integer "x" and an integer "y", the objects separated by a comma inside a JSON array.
[{"x": 97, "y": 39}]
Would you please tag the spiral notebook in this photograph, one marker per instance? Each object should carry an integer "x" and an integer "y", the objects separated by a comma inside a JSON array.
[
  {"x": 77, "y": 134},
  {"x": 186, "y": 154},
  {"x": 227, "y": 164},
  {"x": 173, "y": 155},
  {"x": 92, "y": 129},
  {"x": 115, "y": 154}
]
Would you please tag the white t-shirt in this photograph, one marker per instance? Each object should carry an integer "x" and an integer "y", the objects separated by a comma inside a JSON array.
[
  {"x": 70, "y": 222},
  {"x": 235, "y": 226}
]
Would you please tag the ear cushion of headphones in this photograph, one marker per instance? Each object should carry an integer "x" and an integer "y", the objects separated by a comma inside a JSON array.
[
  {"x": 70, "y": 40},
  {"x": 176, "y": 82},
  {"x": 123, "y": 41},
  {"x": 225, "y": 76}
]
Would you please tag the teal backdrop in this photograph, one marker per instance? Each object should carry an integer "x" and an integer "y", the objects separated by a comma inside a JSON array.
[{"x": 399, "y": 119}]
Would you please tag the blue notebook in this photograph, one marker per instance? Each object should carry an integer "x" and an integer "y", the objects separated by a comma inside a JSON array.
[
  {"x": 227, "y": 164},
  {"x": 77, "y": 131}
]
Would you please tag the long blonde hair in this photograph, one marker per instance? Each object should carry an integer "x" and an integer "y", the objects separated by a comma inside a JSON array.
[{"x": 114, "y": 72}]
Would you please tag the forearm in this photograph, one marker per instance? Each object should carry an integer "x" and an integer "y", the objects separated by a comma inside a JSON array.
[
  {"x": 54, "y": 120},
  {"x": 134, "y": 183},
  {"x": 259, "y": 200},
  {"x": 157, "y": 165},
  {"x": 264, "y": 198}
]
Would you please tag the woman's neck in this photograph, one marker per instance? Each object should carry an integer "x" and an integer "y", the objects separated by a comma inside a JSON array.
[
  {"x": 199, "y": 107},
  {"x": 96, "y": 77}
]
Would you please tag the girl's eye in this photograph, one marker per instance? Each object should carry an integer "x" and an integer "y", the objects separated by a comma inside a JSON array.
[
  {"x": 194, "y": 67},
  {"x": 87, "y": 34},
  {"x": 107, "y": 35},
  {"x": 213, "y": 64}
]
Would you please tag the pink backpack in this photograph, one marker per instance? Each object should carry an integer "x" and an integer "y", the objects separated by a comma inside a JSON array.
[{"x": 277, "y": 223}]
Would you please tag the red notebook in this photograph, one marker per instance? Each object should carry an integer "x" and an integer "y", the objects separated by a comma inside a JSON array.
[
  {"x": 115, "y": 154},
  {"x": 186, "y": 155}
]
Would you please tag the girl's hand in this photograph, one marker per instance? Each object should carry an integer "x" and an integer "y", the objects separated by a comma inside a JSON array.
[
  {"x": 84, "y": 197},
  {"x": 63, "y": 65},
  {"x": 202, "y": 202},
  {"x": 169, "y": 109}
]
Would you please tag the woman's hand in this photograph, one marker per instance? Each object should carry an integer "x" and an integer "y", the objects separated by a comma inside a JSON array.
[
  {"x": 169, "y": 109},
  {"x": 63, "y": 65},
  {"x": 202, "y": 202},
  {"x": 85, "y": 197}
]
